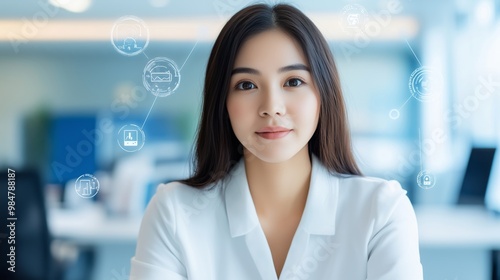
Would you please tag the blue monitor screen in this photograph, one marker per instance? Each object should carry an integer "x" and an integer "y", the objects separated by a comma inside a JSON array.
[{"x": 72, "y": 147}]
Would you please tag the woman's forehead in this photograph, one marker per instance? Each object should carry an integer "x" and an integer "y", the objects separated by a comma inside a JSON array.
[{"x": 270, "y": 49}]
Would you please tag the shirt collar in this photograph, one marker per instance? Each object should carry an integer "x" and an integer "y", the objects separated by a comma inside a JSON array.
[{"x": 321, "y": 204}]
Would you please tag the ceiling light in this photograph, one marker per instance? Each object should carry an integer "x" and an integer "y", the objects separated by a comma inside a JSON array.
[
  {"x": 75, "y": 6},
  {"x": 485, "y": 12}
]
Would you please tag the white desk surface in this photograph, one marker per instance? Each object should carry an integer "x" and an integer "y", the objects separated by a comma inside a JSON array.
[
  {"x": 439, "y": 226},
  {"x": 92, "y": 226},
  {"x": 458, "y": 226}
]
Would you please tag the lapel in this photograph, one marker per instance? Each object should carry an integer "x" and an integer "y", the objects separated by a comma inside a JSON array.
[
  {"x": 321, "y": 204},
  {"x": 318, "y": 217},
  {"x": 243, "y": 220}
]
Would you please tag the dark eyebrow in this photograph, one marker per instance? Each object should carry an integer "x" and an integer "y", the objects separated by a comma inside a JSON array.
[
  {"x": 298, "y": 66},
  {"x": 245, "y": 70}
]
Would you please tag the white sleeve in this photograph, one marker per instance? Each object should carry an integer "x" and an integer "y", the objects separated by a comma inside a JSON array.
[
  {"x": 394, "y": 248},
  {"x": 157, "y": 253}
]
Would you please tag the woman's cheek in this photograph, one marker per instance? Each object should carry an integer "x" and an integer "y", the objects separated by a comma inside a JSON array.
[
  {"x": 236, "y": 109},
  {"x": 306, "y": 111},
  {"x": 240, "y": 114}
]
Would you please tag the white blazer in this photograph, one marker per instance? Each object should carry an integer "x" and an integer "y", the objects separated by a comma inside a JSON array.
[{"x": 352, "y": 228}]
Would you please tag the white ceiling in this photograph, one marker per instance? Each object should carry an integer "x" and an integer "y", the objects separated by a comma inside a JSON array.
[
  {"x": 15, "y": 13},
  {"x": 109, "y": 9}
]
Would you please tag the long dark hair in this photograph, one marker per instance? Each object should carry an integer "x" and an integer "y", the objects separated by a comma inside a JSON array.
[{"x": 217, "y": 149}]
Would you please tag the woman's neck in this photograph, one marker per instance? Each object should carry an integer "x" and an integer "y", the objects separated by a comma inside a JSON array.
[{"x": 279, "y": 189}]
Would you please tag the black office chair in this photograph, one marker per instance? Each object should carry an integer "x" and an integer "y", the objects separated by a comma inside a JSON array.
[
  {"x": 33, "y": 259},
  {"x": 474, "y": 187}
]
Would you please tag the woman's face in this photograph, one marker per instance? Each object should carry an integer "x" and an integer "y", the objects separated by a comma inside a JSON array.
[{"x": 271, "y": 85}]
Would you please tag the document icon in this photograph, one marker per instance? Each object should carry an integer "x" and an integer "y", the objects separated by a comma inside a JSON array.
[{"x": 130, "y": 138}]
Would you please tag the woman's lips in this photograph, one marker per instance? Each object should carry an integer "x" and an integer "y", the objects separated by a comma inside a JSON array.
[{"x": 273, "y": 135}]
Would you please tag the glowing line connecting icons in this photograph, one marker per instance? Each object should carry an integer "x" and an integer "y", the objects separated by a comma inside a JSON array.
[
  {"x": 424, "y": 84},
  {"x": 87, "y": 186},
  {"x": 161, "y": 76},
  {"x": 130, "y": 35}
]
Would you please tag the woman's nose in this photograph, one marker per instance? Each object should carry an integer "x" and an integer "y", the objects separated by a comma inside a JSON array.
[{"x": 272, "y": 102}]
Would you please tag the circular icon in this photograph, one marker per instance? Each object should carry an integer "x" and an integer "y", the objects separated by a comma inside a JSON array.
[
  {"x": 87, "y": 186},
  {"x": 394, "y": 114},
  {"x": 425, "y": 84},
  {"x": 161, "y": 76},
  {"x": 354, "y": 18},
  {"x": 130, "y": 35},
  {"x": 425, "y": 180},
  {"x": 131, "y": 138}
]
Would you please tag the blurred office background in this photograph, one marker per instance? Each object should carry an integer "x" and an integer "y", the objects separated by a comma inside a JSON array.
[{"x": 66, "y": 92}]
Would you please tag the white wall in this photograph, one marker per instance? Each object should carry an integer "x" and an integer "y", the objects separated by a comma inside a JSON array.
[{"x": 69, "y": 78}]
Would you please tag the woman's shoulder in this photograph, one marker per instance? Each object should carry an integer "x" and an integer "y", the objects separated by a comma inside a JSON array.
[
  {"x": 376, "y": 193},
  {"x": 371, "y": 185},
  {"x": 184, "y": 201},
  {"x": 179, "y": 192}
]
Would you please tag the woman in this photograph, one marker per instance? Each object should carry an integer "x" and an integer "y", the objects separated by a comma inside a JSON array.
[{"x": 276, "y": 192}]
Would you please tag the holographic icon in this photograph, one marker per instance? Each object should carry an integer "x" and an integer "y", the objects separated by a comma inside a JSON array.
[
  {"x": 131, "y": 138},
  {"x": 425, "y": 84},
  {"x": 354, "y": 18},
  {"x": 130, "y": 35},
  {"x": 87, "y": 186},
  {"x": 394, "y": 114},
  {"x": 161, "y": 76},
  {"x": 425, "y": 180}
]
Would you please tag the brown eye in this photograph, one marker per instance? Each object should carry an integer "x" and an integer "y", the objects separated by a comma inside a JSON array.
[
  {"x": 245, "y": 86},
  {"x": 294, "y": 82}
]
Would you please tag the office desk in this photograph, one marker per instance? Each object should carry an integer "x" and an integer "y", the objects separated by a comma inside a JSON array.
[
  {"x": 463, "y": 226},
  {"x": 460, "y": 226},
  {"x": 92, "y": 226},
  {"x": 112, "y": 239},
  {"x": 454, "y": 241}
]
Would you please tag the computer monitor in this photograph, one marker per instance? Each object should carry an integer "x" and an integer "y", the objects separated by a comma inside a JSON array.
[
  {"x": 492, "y": 199},
  {"x": 476, "y": 176},
  {"x": 72, "y": 153}
]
